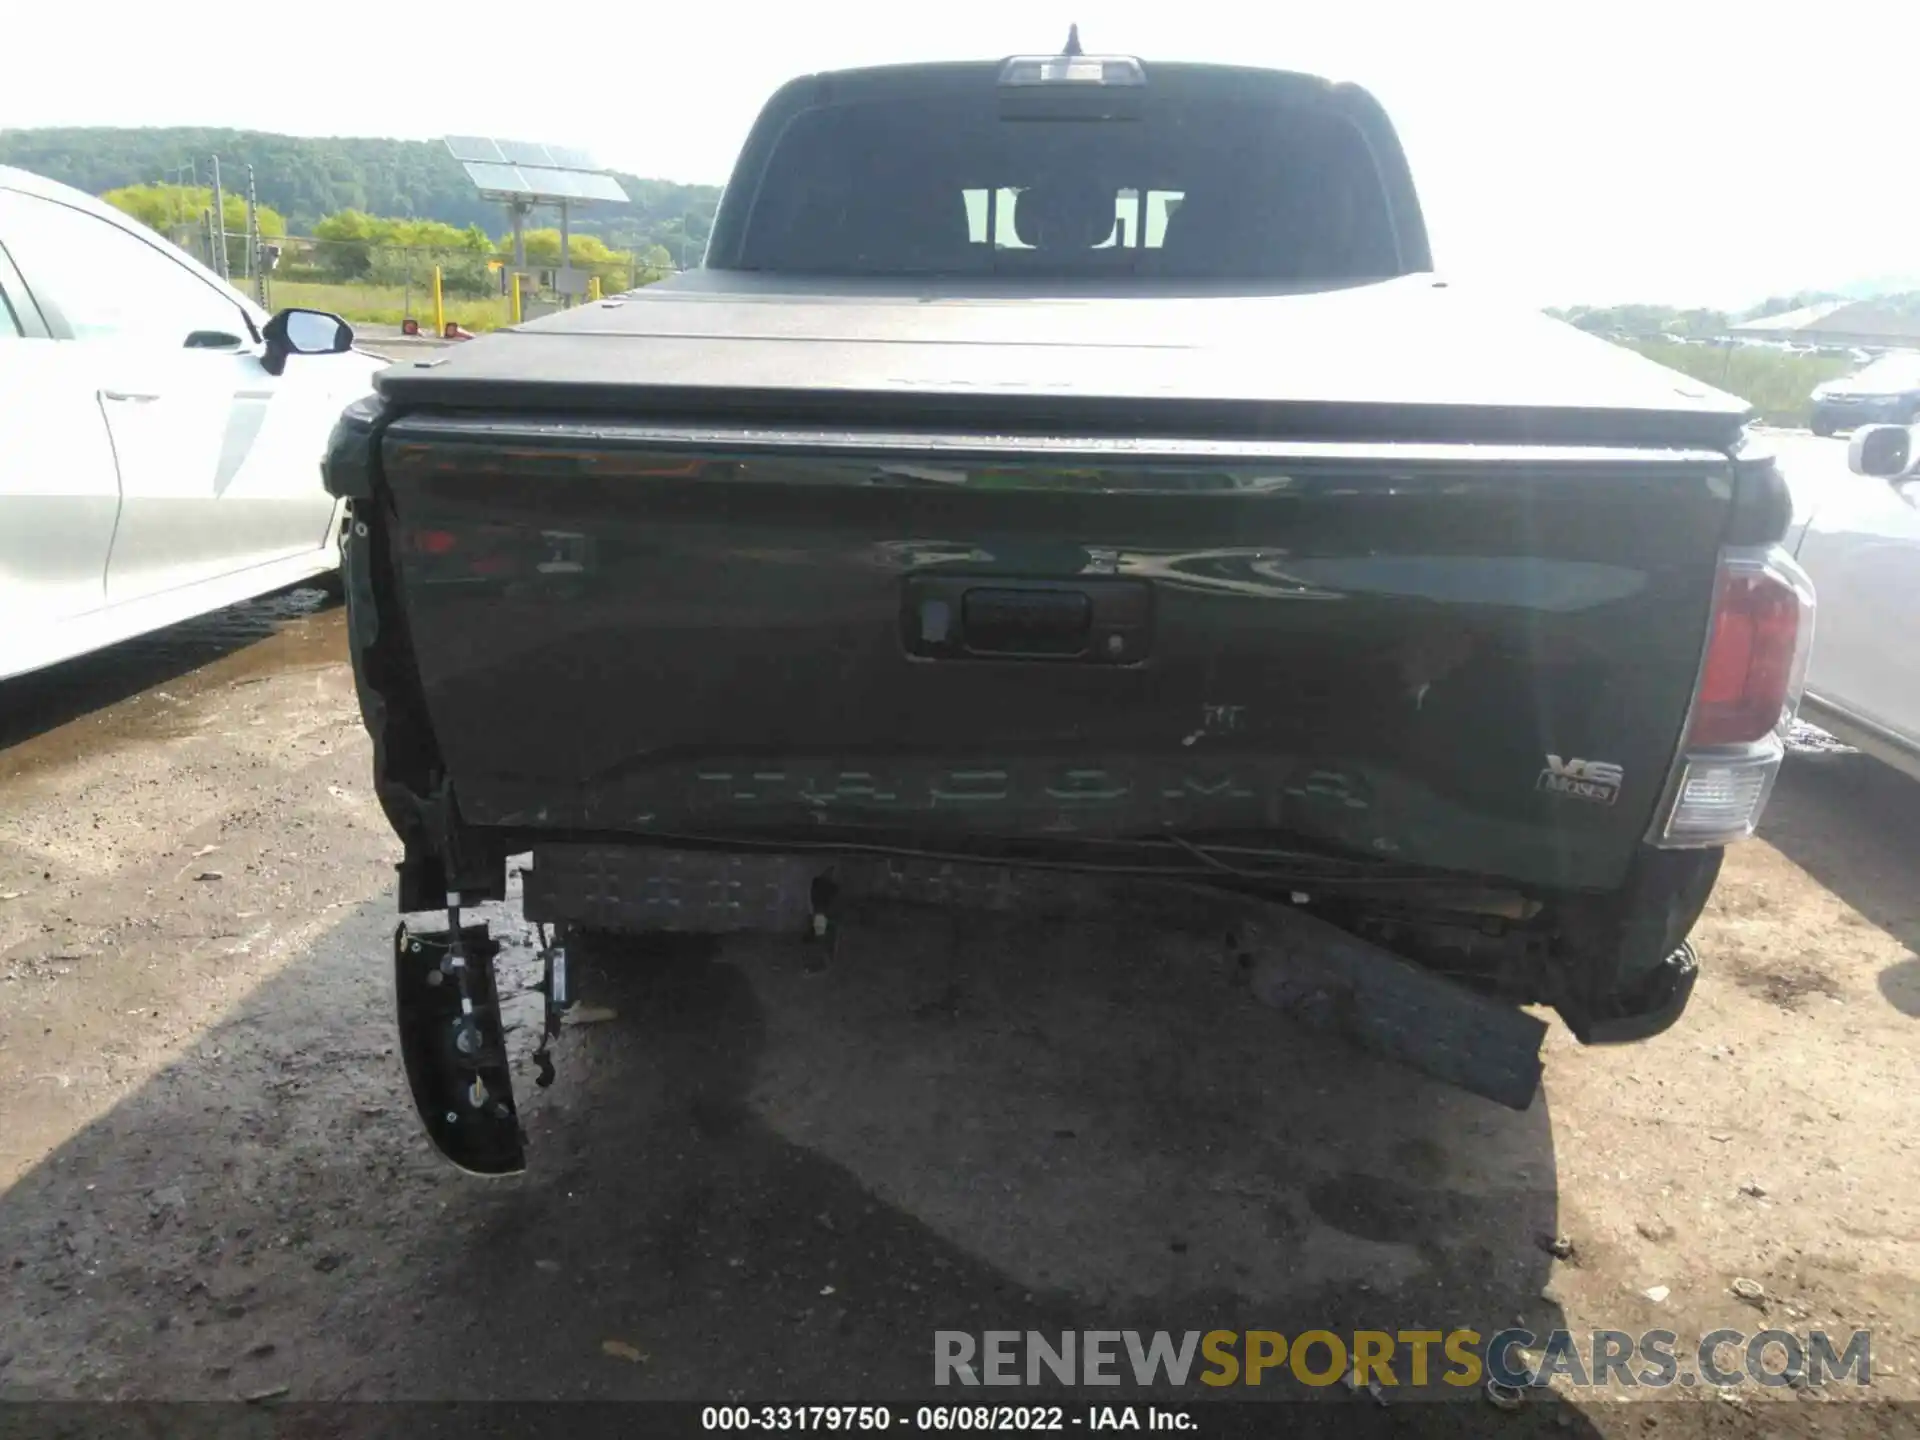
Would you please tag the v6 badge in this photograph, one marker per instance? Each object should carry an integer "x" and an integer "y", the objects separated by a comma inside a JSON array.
[{"x": 1595, "y": 780}]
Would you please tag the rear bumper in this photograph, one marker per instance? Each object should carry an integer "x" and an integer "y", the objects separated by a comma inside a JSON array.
[
  {"x": 1315, "y": 973},
  {"x": 1622, "y": 971}
]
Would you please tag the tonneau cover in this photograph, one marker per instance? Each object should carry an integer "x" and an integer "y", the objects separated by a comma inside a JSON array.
[{"x": 1373, "y": 354}]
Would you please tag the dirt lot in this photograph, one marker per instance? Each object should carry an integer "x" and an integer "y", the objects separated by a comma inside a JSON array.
[{"x": 768, "y": 1184}]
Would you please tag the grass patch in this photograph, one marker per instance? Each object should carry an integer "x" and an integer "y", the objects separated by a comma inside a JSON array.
[
  {"x": 386, "y": 304},
  {"x": 1777, "y": 383}
]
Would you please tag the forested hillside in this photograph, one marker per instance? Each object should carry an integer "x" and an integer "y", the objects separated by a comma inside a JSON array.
[{"x": 305, "y": 179}]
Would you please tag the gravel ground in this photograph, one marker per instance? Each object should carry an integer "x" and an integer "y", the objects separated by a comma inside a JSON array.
[{"x": 756, "y": 1182}]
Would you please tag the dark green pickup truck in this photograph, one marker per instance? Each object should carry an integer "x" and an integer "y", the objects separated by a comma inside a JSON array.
[{"x": 1069, "y": 475}]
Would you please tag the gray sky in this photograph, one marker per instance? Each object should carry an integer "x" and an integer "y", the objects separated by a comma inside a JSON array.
[{"x": 1695, "y": 151}]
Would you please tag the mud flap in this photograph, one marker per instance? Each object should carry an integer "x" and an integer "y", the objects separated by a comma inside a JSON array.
[
  {"x": 464, "y": 1096},
  {"x": 1329, "y": 980}
]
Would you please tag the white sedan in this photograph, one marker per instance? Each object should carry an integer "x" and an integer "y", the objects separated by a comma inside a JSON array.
[
  {"x": 160, "y": 436},
  {"x": 1857, "y": 534}
]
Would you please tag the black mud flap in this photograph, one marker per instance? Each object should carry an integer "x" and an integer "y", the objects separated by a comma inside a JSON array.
[
  {"x": 1329, "y": 980},
  {"x": 456, "y": 1062}
]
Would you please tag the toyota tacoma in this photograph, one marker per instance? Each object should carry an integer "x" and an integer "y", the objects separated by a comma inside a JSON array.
[{"x": 1069, "y": 481}]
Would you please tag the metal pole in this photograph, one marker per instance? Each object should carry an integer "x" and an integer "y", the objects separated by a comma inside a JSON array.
[
  {"x": 220, "y": 266},
  {"x": 566, "y": 251},
  {"x": 254, "y": 245},
  {"x": 251, "y": 260},
  {"x": 439, "y": 305}
]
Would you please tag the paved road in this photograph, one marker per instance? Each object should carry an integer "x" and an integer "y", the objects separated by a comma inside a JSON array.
[{"x": 772, "y": 1184}]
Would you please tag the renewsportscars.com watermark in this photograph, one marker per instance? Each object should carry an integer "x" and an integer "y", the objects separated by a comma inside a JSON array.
[{"x": 1395, "y": 1359}]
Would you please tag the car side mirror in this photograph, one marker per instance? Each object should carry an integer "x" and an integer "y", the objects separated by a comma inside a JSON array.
[
  {"x": 1886, "y": 452},
  {"x": 304, "y": 332}
]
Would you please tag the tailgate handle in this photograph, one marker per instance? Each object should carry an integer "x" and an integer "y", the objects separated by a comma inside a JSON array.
[
  {"x": 1084, "y": 621},
  {"x": 1025, "y": 622}
]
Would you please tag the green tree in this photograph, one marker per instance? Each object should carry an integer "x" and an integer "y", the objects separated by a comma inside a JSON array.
[
  {"x": 161, "y": 208},
  {"x": 344, "y": 244},
  {"x": 388, "y": 250},
  {"x": 586, "y": 252},
  {"x": 178, "y": 212}
]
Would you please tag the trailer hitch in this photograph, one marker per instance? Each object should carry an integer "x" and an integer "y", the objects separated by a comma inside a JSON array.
[{"x": 453, "y": 1045}]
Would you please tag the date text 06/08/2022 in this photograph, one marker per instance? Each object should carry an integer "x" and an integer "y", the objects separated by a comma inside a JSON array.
[{"x": 924, "y": 1418}]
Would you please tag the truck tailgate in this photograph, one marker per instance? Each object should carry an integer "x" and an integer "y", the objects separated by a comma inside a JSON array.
[{"x": 1477, "y": 658}]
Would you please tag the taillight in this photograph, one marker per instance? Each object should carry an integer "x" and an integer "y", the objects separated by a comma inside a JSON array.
[
  {"x": 1755, "y": 656},
  {"x": 434, "y": 542},
  {"x": 1749, "y": 688}
]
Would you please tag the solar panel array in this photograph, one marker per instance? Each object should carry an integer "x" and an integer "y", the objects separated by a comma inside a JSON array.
[{"x": 521, "y": 170}]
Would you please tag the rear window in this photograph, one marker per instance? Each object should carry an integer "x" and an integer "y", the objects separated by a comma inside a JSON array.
[{"x": 943, "y": 185}]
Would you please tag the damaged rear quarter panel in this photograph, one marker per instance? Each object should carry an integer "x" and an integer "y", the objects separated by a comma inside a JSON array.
[{"x": 410, "y": 779}]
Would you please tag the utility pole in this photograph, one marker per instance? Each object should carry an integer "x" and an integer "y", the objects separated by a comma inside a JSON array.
[{"x": 220, "y": 267}]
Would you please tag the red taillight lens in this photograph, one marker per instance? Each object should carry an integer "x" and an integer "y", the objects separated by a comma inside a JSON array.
[
  {"x": 434, "y": 542},
  {"x": 1752, "y": 668}
]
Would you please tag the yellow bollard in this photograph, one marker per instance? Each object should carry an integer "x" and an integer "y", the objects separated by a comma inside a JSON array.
[
  {"x": 439, "y": 305},
  {"x": 593, "y": 287},
  {"x": 516, "y": 297}
]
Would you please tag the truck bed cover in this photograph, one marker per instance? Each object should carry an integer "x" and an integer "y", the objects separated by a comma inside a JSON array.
[{"x": 1405, "y": 358}]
